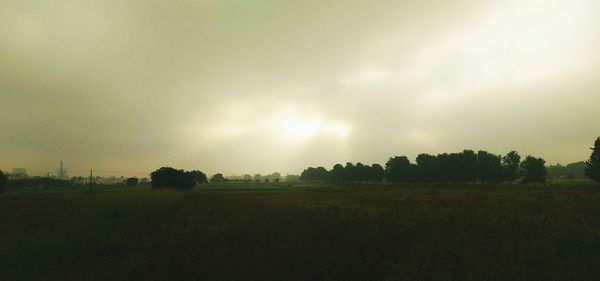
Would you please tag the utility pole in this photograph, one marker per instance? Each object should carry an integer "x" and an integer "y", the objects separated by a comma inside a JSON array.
[{"x": 91, "y": 174}]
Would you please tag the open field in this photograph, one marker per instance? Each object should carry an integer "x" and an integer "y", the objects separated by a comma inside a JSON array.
[{"x": 301, "y": 232}]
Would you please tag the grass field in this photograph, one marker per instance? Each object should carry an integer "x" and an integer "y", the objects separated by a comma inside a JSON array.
[{"x": 301, "y": 232}]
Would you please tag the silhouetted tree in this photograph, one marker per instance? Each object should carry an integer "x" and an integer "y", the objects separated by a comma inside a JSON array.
[
  {"x": 3, "y": 180},
  {"x": 592, "y": 170},
  {"x": 167, "y": 177},
  {"x": 321, "y": 174},
  {"x": 469, "y": 166},
  {"x": 489, "y": 167},
  {"x": 218, "y": 178},
  {"x": 314, "y": 174},
  {"x": 510, "y": 163},
  {"x": 376, "y": 173},
  {"x": 132, "y": 181},
  {"x": 350, "y": 174},
  {"x": 398, "y": 169},
  {"x": 426, "y": 168},
  {"x": 336, "y": 175},
  {"x": 308, "y": 174},
  {"x": 535, "y": 170},
  {"x": 362, "y": 172},
  {"x": 198, "y": 176}
]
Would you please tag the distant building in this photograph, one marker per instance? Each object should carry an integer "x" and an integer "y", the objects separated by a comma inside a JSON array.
[{"x": 19, "y": 172}]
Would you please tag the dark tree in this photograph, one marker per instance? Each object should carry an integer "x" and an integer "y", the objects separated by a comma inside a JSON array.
[
  {"x": 167, "y": 177},
  {"x": 469, "y": 166},
  {"x": 218, "y": 178},
  {"x": 309, "y": 174},
  {"x": 314, "y": 174},
  {"x": 489, "y": 167},
  {"x": 362, "y": 172},
  {"x": 426, "y": 168},
  {"x": 3, "y": 180},
  {"x": 398, "y": 169},
  {"x": 198, "y": 176},
  {"x": 350, "y": 174},
  {"x": 321, "y": 174},
  {"x": 510, "y": 164},
  {"x": 131, "y": 181},
  {"x": 337, "y": 174},
  {"x": 592, "y": 169},
  {"x": 535, "y": 170},
  {"x": 376, "y": 173}
]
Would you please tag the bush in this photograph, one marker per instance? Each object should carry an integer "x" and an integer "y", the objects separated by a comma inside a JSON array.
[{"x": 132, "y": 181}]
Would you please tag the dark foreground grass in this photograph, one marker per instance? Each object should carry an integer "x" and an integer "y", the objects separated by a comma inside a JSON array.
[{"x": 301, "y": 233}]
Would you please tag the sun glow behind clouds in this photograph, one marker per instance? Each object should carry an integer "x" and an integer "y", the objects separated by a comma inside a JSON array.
[
  {"x": 300, "y": 127},
  {"x": 289, "y": 123}
]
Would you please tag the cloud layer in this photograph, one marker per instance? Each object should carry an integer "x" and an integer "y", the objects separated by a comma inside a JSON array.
[{"x": 262, "y": 86}]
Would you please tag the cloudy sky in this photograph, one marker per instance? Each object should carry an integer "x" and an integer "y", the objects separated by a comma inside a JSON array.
[{"x": 257, "y": 86}]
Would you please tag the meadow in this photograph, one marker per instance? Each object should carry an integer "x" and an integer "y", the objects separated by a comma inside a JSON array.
[{"x": 301, "y": 232}]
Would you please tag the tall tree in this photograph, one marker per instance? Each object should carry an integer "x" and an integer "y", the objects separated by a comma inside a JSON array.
[
  {"x": 321, "y": 174},
  {"x": 489, "y": 167},
  {"x": 3, "y": 180},
  {"x": 398, "y": 169},
  {"x": 337, "y": 174},
  {"x": 350, "y": 172},
  {"x": 510, "y": 163},
  {"x": 469, "y": 166},
  {"x": 535, "y": 170},
  {"x": 362, "y": 172},
  {"x": 592, "y": 170},
  {"x": 427, "y": 167},
  {"x": 309, "y": 174},
  {"x": 376, "y": 173}
]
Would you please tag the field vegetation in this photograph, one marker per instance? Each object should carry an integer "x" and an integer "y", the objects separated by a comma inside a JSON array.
[{"x": 302, "y": 231}]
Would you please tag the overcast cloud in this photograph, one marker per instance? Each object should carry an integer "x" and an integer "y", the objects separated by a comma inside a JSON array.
[{"x": 253, "y": 86}]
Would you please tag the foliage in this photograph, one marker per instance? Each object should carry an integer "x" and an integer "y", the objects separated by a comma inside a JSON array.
[
  {"x": 398, "y": 169},
  {"x": 218, "y": 178},
  {"x": 535, "y": 171},
  {"x": 132, "y": 181},
  {"x": 592, "y": 170},
  {"x": 167, "y": 177},
  {"x": 489, "y": 167},
  {"x": 463, "y": 167},
  {"x": 511, "y": 162},
  {"x": 318, "y": 174},
  {"x": 3, "y": 180},
  {"x": 428, "y": 233}
]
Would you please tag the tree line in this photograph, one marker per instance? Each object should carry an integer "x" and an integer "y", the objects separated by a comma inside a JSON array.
[{"x": 462, "y": 167}]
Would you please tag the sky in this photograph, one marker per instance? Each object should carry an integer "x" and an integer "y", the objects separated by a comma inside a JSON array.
[{"x": 258, "y": 86}]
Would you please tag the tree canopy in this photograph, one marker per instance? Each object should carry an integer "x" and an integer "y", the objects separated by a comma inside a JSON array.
[
  {"x": 535, "y": 170},
  {"x": 462, "y": 167},
  {"x": 3, "y": 180},
  {"x": 167, "y": 177},
  {"x": 592, "y": 170}
]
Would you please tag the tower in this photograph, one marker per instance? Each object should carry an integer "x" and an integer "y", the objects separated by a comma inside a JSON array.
[{"x": 62, "y": 173}]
